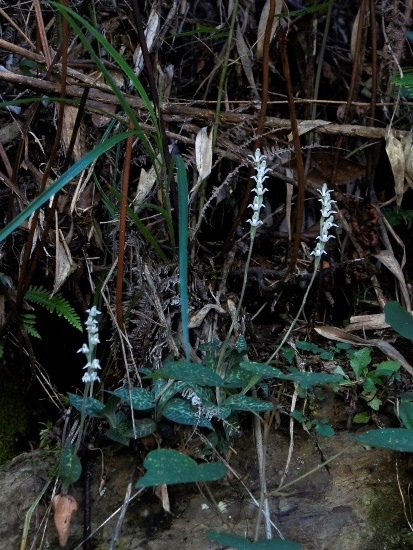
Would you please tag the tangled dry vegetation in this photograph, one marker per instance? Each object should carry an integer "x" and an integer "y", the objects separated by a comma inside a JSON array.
[{"x": 311, "y": 85}]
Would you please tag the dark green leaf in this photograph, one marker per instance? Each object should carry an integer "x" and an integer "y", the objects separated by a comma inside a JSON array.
[
  {"x": 169, "y": 466},
  {"x": 236, "y": 378},
  {"x": 93, "y": 407},
  {"x": 241, "y": 344},
  {"x": 361, "y": 418},
  {"x": 246, "y": 403},
  {"x": 264, "y": 370},
  {"x": 308, "y": 346},
  {"x": 406, "y": 410},
  {"x": 109, "y": 410},
  {"x": 182, "y": 412},
  {"x": 123, "y": 431},
  {"x": 241, "y": 543},
  {"x": 326, "y": 355},
  {"x": 69, "y": 465},
  {"x": 324, "y": 429},
  {"x": 298, "y": 415},
  {"x": 120, "y": 433},
  {"x": 387, "y": 368},
  {"x": 360, "y": 360},
  {"x": 308, "y": 379},
  {"x": 211, "y": 410},
  {"x": 289, "y": 354},
  {"x": 399, "y": 318},
  {"x": 141, "y": 398},
  {"x": 304, "y": 379},
  {"x": 191, "y": 372},
  {"x": 397, "y": 439}
]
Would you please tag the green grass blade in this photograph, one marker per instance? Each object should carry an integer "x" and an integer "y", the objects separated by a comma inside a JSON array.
[
  {"x": 183, "y": 247},
  {"x": 61, "y": 181}
]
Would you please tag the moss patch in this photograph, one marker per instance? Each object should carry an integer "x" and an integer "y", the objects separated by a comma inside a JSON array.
[{"x": 13, "y": 417}]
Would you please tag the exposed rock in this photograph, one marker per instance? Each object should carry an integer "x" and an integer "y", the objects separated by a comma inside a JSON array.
[{"x": 355, "y": 505}]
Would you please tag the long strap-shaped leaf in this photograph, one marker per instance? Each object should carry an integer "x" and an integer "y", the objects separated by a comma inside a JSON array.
[
  {"x": 61, "y": 181},
  {"x": 183, "y": 248}
]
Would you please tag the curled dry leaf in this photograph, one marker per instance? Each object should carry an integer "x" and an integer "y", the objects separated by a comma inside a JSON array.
[
  {"x": 354, "y": 32},
  {"x": 203, "y": 156},
  {"x": 245, "y": 55},
  {"x": 147, "y": 180},
  {"x": 65, "y": 265},
  {"x": 326, "y": 168},
  {"x": 263, "y": 23},
  {"x": 151, "y": 31},
  {"x": 307, "y": 126},
  {"x": 197, "y": 318},
  {"x": 161, "y": 491},
  {"x": 407, "y": 143},
  {"x": 63, "y": 507},
  {"x": 394, "y": 150},
  {"x": 387, "y": 258}
]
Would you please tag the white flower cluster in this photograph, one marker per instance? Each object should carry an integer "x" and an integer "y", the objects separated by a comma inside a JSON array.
[
  {"x": 261, "y": 167},
  {"x": 326, "y": 222},
  {"x": 92, "y": 365}
]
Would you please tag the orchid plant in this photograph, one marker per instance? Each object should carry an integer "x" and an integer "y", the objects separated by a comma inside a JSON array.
[
  {"x": 261, "y": 175},
  {"x": 326, "y": 224}
]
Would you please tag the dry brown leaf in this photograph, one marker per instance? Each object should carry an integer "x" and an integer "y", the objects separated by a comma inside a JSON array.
[
  {"x": 354, "y": 32},
  {"x": 63, "y": 507},
  {"x": 165, "y": 80},
  {"x": 394, "y": 150},
  {"x": 407, "y": 143},
  {"x": 64, "y": 263},
  {"x": 308, "y": 125},
  {"x": 203, "y": 156},
  {"x": 161, "y": 491},
  {"x": 325, "y": 168},
  {"x": 196, "y": 319},
  {"x": 244, "y": 53},
  {"x": 69, "y": 117},
  {"x": 147, "y": 180},
  {"x": 263, "y": 23},
  {"x": 151, "y": 32},
  {"x": 99, "y": 119},
  {"x": 387, "y": 258}
]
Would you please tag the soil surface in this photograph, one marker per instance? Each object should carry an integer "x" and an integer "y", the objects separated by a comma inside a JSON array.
[{"x": 353, "y": 503}]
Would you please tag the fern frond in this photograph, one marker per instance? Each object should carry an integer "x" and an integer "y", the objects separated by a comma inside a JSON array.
[
  {"x": 29, "y": 322},
  {"x": 55, "y": 304}
]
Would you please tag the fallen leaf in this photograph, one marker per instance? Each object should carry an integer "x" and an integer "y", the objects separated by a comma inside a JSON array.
[
  {"x": 151, "y": 32},
  {"x": 203, "y": 156},
  {"x": 388, "y": 259},
  {"x": 407, "y": 143},
  {"x": 263, "y": 23},
  {"x": 244, "y": 53},
  {"x": 161, "y": 491},
  {"x": 395, "y": 153},
  {"x": 63, "y": 507},
  {"x": 326, "y": 168}
]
